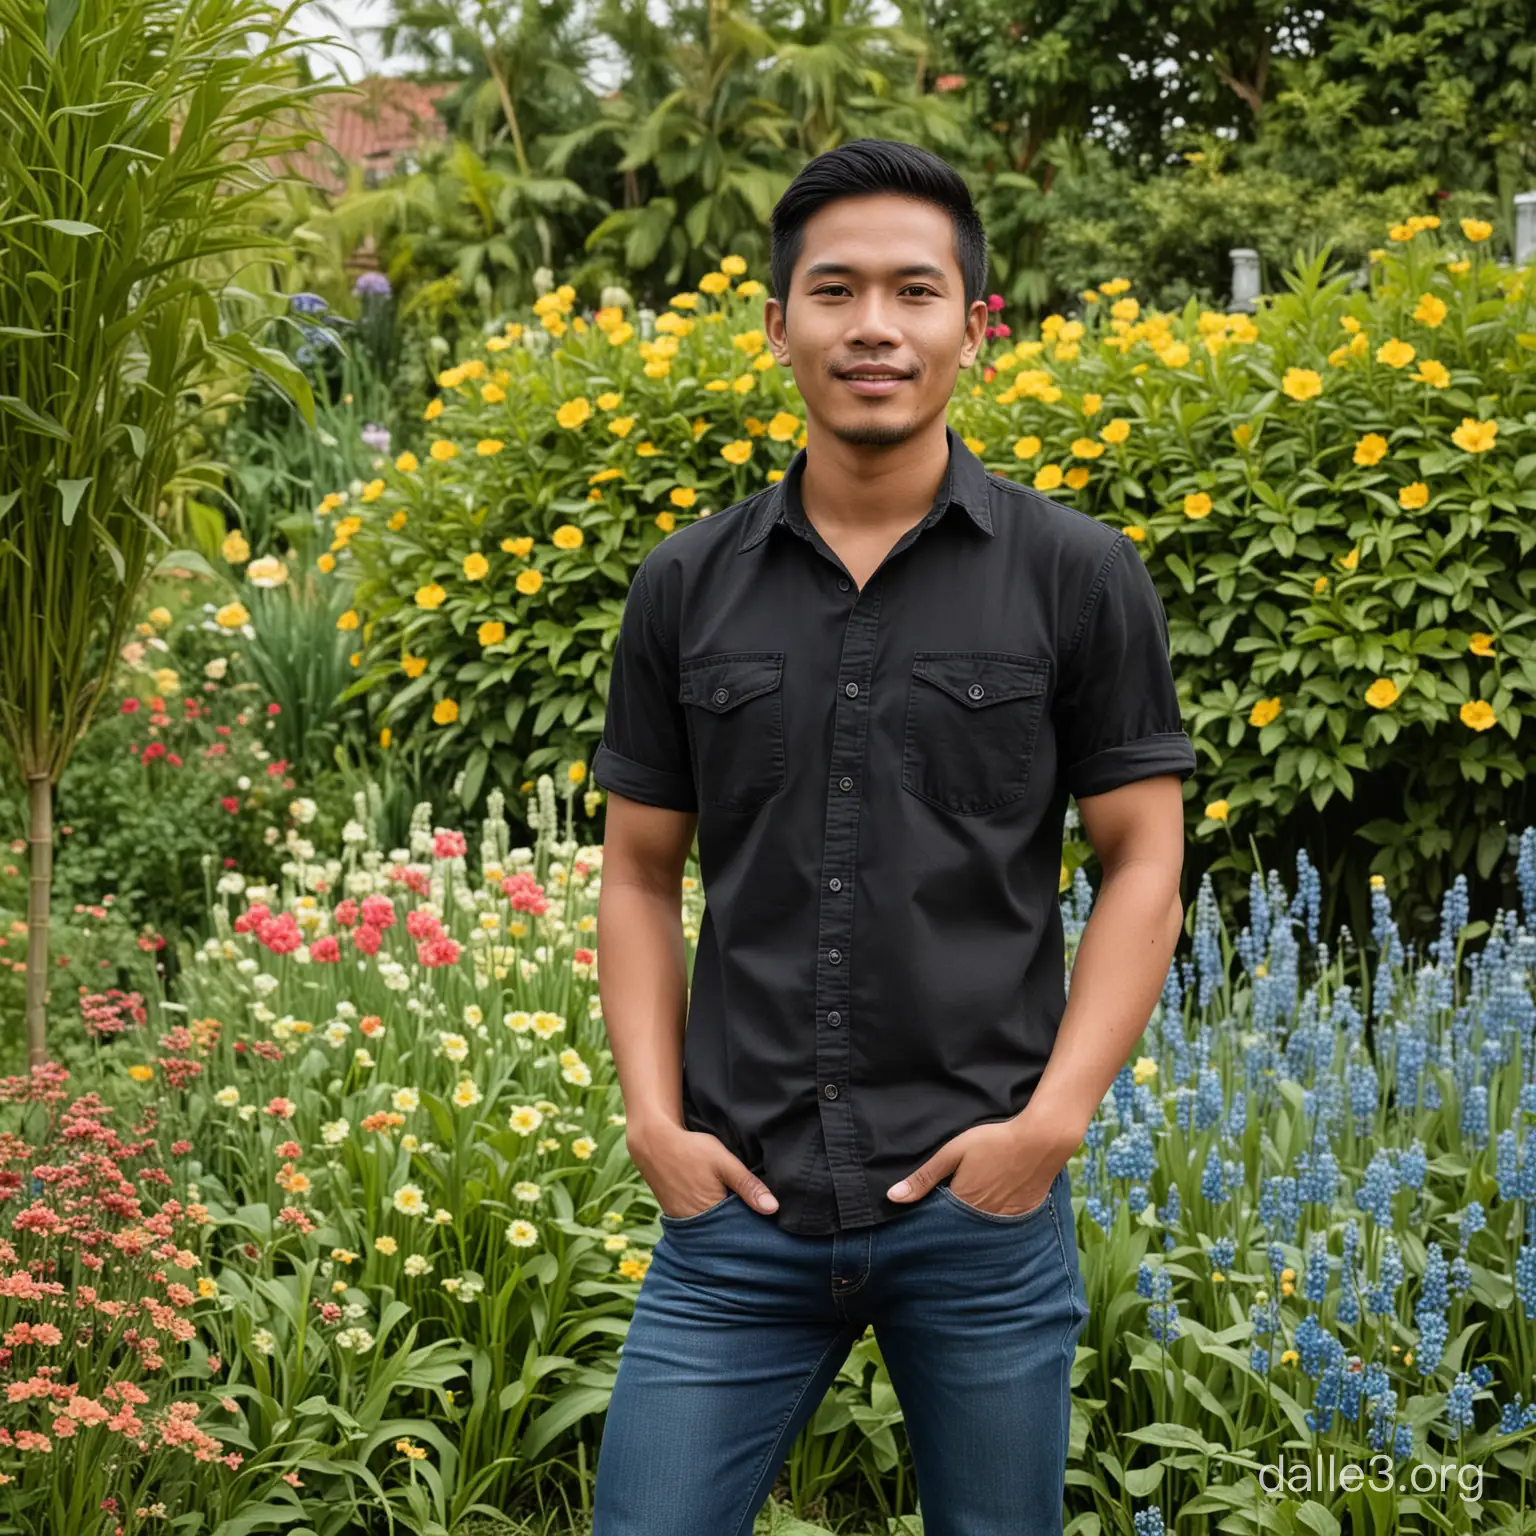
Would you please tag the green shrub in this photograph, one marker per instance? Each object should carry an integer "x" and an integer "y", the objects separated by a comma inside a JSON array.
[{"x": 1335, "y": 497}]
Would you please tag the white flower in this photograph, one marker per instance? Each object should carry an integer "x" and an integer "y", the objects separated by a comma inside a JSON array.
[
  {"x": 216, "y": 668},
  {"x": 454, "y": 1047},
  {"x": 406, "y": 1099},
  {"x": 354, "y": 832},
  {"x": 334, "y": 1132},
  {"x": 416, "y": 1265},
  {"x": 525, "y": 1119},
  {"x": 247, "y": 1112},
  {"x": 263, "y": 1342},
  {"x": 231, "y": 883},
  {"x": 336, "y": 1032},
  {"x": 442, "y": 1218},
  {"x": 303, "y": 811},
  {"x": 346, "y": 1010},
  {"x": 522, "y": 1234},
  {"x": 228, "y": 1097},
  {"x": 409, "y": 1200},
  {"x": 265, "y": 984},
  {"x": 526, "y": 1189},
  {"x": 467, "y": 1093},
  {"x": 267, "y": 572},
  {"x": 474, "y": 1014},
  {"x": 362, "y": 1057},
  {"x": 355, "y": 1338}
]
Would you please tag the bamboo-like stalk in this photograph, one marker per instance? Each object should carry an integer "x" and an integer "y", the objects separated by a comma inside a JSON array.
[{"x": 137, "y": 145}]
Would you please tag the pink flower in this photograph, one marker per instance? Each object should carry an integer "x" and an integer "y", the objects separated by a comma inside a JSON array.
[
  {"x": 367, "y": 939},
  {"x": 346, "y": 913},
  {"x": 439, "y": 951},
  {"x": 325, "y": 951},
  {"x": 274, "y": 708},
  {"x": 378, "y": 912},
  {"x": 280, "y": 1108},
  {"x": 449, "y": 845},
  {"x": 421, "y": 924}
]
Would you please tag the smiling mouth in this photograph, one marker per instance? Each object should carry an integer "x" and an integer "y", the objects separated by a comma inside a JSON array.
[{"x": 873, "y": 384}]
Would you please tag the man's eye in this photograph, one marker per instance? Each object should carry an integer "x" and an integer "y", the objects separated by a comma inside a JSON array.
[{"x": 919, "y": 287}]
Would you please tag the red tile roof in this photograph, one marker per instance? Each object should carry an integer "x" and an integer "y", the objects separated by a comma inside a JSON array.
[{"x": 384, "y": 119}]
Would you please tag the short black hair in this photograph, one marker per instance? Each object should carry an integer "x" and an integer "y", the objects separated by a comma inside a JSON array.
[{"x": 865, "y": 167}]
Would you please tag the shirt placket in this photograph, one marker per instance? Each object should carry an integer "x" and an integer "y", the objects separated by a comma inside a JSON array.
[{"x": 834, "y": 930}]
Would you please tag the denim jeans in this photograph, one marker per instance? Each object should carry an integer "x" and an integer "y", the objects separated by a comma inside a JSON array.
[{"x": 740, "y": 1328}]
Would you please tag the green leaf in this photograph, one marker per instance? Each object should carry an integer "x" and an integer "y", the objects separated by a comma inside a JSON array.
[
  {"x": 72, "y": 491},
  {"x": 183, "y": 559},
  {"x": 74, "y": 227},
  {"x": 1316, "y": 1517},
  {"x": 60, "y": 18},
  {"x": 38, "y": 421}
]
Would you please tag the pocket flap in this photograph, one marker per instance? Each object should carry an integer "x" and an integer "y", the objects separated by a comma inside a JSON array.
[
  {"x": 980, "y": 678},
  {"x": 721, "y": 682}
]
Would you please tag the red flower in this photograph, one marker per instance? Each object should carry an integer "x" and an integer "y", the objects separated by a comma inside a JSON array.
[
  {"x": 274, "y": 708},
  {"x": 231, "y": 803},
  {"x": 155, "y": 749},
  {"x": 439, "y": 951},
  {"x": 325, "y": 951},
  {"x": 130, "y": 707},
  {"x": 367, "y": 939},
  {"x": 173, "y": 759}
]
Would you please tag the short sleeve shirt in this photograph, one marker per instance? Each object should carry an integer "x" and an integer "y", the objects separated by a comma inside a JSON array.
[{"x": 880, "y": 776}]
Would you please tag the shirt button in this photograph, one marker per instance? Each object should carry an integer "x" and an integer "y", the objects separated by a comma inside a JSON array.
[
  {"x": 835, "y": 884},
  {"x": 852, "y": 690},
  {"x": 834, "y": 1018},
  {"x": 834, "y": 955},
  {"x": 845, "y": 784},
  {"x": 842, "y": 583},
  {"x": 830, "y": 1090},
  {"x": 975, "y": 690},
  {"x": 721, "y": 695}
]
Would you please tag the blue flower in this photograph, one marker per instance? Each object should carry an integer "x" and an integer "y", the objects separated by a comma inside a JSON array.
[{"x": 307, "y": 304}]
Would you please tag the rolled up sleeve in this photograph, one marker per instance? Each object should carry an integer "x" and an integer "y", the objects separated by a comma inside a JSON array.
[
  {"x": 643, "y": 752},
  {"x": 1117, "y": 708}
]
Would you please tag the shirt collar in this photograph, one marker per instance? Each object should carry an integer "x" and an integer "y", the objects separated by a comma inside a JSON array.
[{"x": 965, "y": 482}]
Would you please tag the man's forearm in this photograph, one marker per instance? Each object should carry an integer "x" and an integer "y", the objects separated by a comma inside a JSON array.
[
  {"x": 643, "y": 984},
  {"x": 1121, "y": 965}
]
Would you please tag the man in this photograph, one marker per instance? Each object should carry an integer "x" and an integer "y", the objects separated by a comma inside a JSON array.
[{"x": 871, "y": 687}]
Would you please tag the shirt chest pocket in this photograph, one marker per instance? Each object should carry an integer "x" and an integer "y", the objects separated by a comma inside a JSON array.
[
  {"x": 735, "y": 726},
  {"x": 972, "y": 720}
]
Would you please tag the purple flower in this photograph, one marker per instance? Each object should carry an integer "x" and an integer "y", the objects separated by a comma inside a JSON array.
[
  {"x": 307, "y": 304},
  {"x": 372, "y": 285},
  {"x": 376, "y": 437}
]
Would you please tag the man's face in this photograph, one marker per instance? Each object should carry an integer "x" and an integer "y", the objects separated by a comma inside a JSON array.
[{"x": 876, "y": 286}]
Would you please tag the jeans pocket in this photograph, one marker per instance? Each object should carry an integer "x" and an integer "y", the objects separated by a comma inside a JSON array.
[
  {"x": 735, "y": 720},
  {"x": 709, "y": 1210},
  {"x": 1004, "y": 1218},
  {"x": 972, "y": 720}
]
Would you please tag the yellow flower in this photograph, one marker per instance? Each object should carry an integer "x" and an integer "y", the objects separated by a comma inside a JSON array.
[
  {"x": 1197, "y": 504},
  {"x": 430, "y": 596},
  {"x": 1480, "y": 643},
  {"x": 372, "y": 491},
  {"x": 737, "y": 452},
  {"x": 1301, "y": 384},
  {"x": 489, "y": 446},
  {"x": 1048, "y": 477},
  {"x": 1349, "y": 323},
  {"x": 434, "y": 409},
  {"x": 1351, "y": 560},
  {"x": 1135, "y": 532},
  {"x": 1371, "y": 449},
  {"x": 476, "y": 566},
  {"x": 407, "y": 463},
  {"x": 331, "y": 502},
  {"x": 1264, "y": 711},
  {"x": 141, "y": 1074},
  {"x": 1116, "y": 431},
  {"x": 413, "y": 666},
  {"x": 1320, "y": 586},
  {"x": 1382, "y": 694},
  {"x": 574, "y": 412},
  {"x": 443, "y": 450},
  {"x": 397, "y": 520},
  {"x": 326, "y": 563},
  {"x": 1125, "y": 309},
  {"x": 1413, "y": 496},
  {"x": 666, "y": 521},
  {"x": 1401, "y": 232},
  {"x": 1174, "y": 355},
  {"x": 567, "y": 536},
  {"x": 1476, "y": 229},
  {"x": 234, "y": 548},
  {"x": 385, "y": 737},
  {"x": 529, "y": 581},
  {"x": 683, "y": 496},
  {"x": 1091, "y": 404},
  {"x": 1475, "y": 436},
  {"x": 518, "y": 547},
  {"x": 1241, "y": 433},
  {"x": 1395, "y": 353},
  {"x": 1145, "y": 1071},
  {"x": 160, "y": 616},
  {"x": 1432, "y": 373},
  {"x": 783, "y": 426},
  {"x": 1217, "y": 810},
  {"x": 492, "y": 632},
  {"x": 1431, "y": 310},
  {"x": 1077, "y": 477},
  {"x": 348, "y": 620},
  {"x": 1026, "y": 447},
  {"x": 1086, "y": 448},
  {"x": 445, "y": 712},
  {"x": 1478, "y": 714},
  {"x": 1114, "y": 285},
  {"x": 492, "y": 394},
  {"x": 232, "y": 616},
  {"x": 1458, "y": 267}
]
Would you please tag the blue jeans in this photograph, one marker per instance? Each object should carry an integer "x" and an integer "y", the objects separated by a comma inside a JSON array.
[{"x": 740, "y": 1328}]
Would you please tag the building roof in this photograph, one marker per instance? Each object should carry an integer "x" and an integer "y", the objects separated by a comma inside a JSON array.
[{"x": 372, "y": 126}]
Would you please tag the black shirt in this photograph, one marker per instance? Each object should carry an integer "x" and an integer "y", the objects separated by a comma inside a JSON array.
[{"x": 881, "y": 777}]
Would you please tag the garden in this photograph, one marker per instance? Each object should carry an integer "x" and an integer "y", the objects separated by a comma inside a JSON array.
[{"x": 318, "y": 510}]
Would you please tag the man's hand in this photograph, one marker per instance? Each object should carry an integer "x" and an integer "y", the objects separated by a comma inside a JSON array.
[
  {"x": 1006, "y": 1167},
  {"x": 689, "y": 1171}
]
